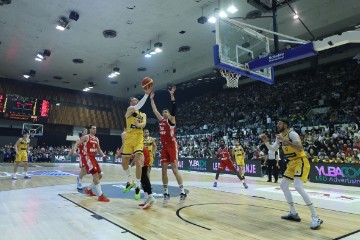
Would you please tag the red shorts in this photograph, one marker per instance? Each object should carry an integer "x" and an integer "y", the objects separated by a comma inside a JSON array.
[
  {"x": 169, "y": 152},
  {"x": 227, "y": 164},
  {"x": 146, "y": 157},
  {"x": 82, "y": 162},
  {"x": 92, "y": 165}
]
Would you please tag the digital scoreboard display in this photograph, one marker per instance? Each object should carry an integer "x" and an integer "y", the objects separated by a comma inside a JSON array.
[{"x": 24, "y": 108}]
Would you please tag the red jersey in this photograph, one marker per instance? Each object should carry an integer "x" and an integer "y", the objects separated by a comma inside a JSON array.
[
  {"x": 167, "y": 131},
  {"x": 90, "y": 147},
  {"x": 224, "y": 154}
]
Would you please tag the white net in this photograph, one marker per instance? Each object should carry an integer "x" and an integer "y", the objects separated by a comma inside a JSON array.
[{"x": 232, "y": 79}]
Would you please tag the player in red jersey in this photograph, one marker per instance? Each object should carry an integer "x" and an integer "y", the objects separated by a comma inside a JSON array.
[
  {"x": 226, "y": 162},
  {"x": 91, "y": 147},
  {"x": 82, "y": 162},
  {"x": 169, "y": 151}
]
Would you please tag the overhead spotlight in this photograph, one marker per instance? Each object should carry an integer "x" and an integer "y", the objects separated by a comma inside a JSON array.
[
  {"x": 158, "y": 47},
  {"x": 222, "y": 14},
  {"x": 42, "y": 56},
  {"x": 30, "y": 74},
  {"x": 57, "y": 104},
  {"x": 153, "y": 52},
  {"x": 148, "y": 55},
  {"x": 86, "y": 89},
  {"x": 63, "y": 24},
  {"x": 232, "y": 9},
  {"x": 115, "y": 72},
  {"x": 212, "y": 19},
  {"x": 74, "y": 16},
  {"x": 296, "y": 16}
]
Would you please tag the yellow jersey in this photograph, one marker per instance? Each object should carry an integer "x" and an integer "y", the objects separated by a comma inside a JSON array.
[
  {"x": 290, "y": 152},
  {"x": 239, "y": 152},
  {"x": 23, "y": 145},
  {"x": 130, "y": 123},
  {"x": 148, "y": 143}
]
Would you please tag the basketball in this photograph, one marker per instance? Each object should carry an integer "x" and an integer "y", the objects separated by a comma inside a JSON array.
[{"x": 147, "y": 83}]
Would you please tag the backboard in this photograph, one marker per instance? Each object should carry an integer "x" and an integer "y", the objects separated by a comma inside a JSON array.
[
  {"x": 33, "y": 129},
  {"x": 237, "y": 45}
]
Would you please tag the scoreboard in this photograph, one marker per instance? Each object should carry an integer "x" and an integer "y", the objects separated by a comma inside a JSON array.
[{"x": 29, "y": 109}]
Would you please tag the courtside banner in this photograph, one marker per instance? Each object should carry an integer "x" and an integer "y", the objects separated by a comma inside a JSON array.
[
  {"x": 340, "y": 174},
  {"x": 252, "y": 167}
]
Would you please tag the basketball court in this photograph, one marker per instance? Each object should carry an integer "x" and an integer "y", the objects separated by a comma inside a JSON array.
[
  {"x": 48, "y": 206},
  {"x": 50, "y": 198}
]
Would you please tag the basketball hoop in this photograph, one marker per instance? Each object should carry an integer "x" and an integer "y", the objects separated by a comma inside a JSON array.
[{"x": 232, "y": 79}]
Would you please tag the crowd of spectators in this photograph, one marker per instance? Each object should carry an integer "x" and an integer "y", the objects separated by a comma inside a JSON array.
[
  {"x": 252, "y": 109},
  {"x": 257, "y": 105}
]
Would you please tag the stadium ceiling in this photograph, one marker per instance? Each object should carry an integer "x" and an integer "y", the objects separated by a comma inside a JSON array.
[{"x": 28, "y": 27}]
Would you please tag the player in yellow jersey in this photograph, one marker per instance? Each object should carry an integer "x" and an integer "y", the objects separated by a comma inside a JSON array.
[
  {"x": 150, "y": 144},
  {"x": 21, "y": 148},
  {"x": 298, "y": 170},
  {"x": 134, "y": 141},
  {"x": 238, "y": 154}
]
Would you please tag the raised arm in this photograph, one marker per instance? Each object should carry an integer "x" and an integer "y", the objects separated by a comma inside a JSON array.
[
  {"x": 140, "y": 104},
  {"x": 153, "y": 106},
  {"x": 173, "y": 105},
  {"x": 273, "y": 147}
]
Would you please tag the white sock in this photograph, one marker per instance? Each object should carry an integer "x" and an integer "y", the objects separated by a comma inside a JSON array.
[
  {"x": 215, "y": 180},
  {"x": 90, "y": 187},
  {"x": 98, "y": 189},
  {"x": 80, "y": 180},
  {"x": 146, "y": 195},
  {"x": 299, "y": 186},
  {"x": 127, "y": 175},
  {"x": 182, "y": 190},
  {"x": 137, "y": 182},
  {"x": 25, "y": 173},
  {"x": 166, "y": 190},
  {"x": 285, "y": 188}
]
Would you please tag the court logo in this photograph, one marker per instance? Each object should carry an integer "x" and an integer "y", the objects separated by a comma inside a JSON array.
[
  {"x": 199, "y": 165},
  {"x": 250, "y": 168},
  {"x": 330, "y": 171}
]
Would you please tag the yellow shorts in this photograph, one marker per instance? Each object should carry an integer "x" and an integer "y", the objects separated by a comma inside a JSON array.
[
  {"x": 21, "y": 157},
  {"x": 134, "y": 143},
  {"x": 240, "y": 161},
  {"x": 151, "y": 160},
  {"x": 298, "y": 168}
]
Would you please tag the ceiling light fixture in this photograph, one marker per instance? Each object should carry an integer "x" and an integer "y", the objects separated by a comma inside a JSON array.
[
  {"x": 62, "y": 24},
  {"x": 222, "y": 14},
  {"x": 212, "y": 19},
  {"x": 202, "y": 19},
  {"x": 158, "y": 47},
  {"x": 42, "y": 56},
  {"x": 115, "y": 72},
  {"x": 232, "y": 9},
  {"x": 30, "y": 74},
  {"x": 296, "y": 16}
]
